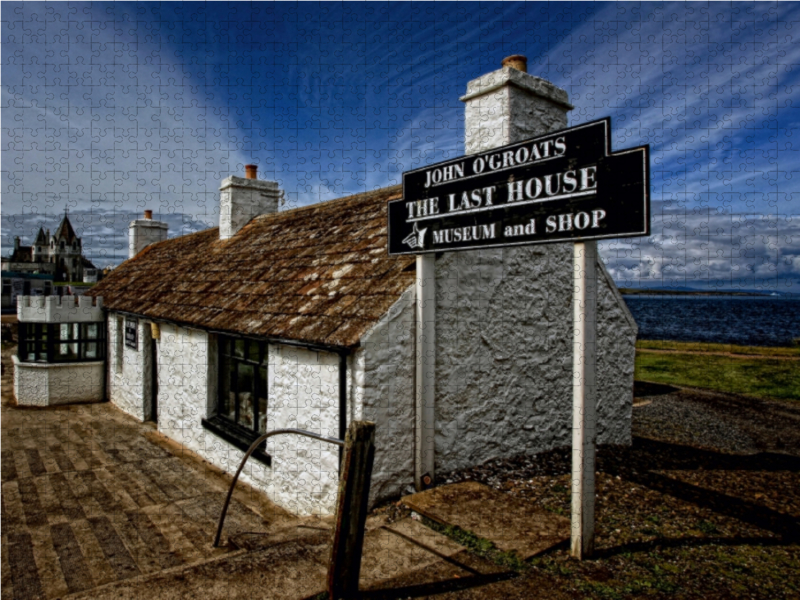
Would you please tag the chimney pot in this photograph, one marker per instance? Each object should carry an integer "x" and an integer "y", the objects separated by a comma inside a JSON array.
[
  {"x": 516, "y": 61},
  {"x": 251, "y": 171},
  {"x": 148, "y": 214}
]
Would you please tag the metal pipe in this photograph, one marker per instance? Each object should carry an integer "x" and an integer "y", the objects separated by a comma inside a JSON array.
[
  {"x": 250, "y": 450},
  {"x": 342, "y": 403}
]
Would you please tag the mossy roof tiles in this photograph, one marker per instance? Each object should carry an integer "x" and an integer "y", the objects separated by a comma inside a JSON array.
[{"x": 318, "y": 274}]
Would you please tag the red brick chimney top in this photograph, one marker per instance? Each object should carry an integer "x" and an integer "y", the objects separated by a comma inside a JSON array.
[
  {"x": 251, "y": 171},
  {"x": 516, "y": 61}
]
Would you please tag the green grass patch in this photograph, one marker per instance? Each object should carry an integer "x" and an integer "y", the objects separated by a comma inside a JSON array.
[
  {"x": 727, "y": 348},
  {"x": 478, "y": 545},
  {"x": 752, "y": 376}
]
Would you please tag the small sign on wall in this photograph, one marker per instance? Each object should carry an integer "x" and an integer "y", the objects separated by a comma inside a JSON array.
[{"x": 131, "y": 333}]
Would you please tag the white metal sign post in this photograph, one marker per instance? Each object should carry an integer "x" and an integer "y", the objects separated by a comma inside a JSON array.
[
  {"x": 564, "y": 186},
  {"x": 584, "y": 397},
  {"x": 425, "y": 367}
]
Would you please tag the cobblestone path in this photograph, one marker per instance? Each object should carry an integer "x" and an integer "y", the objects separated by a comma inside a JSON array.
[{"x": 88, "y": 499}]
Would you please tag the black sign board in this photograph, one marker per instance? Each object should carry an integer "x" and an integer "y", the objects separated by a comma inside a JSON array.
[
  {"x": 563, "y": 186},
  {"x": 131, "y": 333}
]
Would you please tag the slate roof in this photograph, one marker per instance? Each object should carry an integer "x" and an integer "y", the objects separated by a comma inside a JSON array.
[
  {"x": 66, "y": 231},
  {"x": 319, "y": 274},
  {"x": 23, "y": 254}
]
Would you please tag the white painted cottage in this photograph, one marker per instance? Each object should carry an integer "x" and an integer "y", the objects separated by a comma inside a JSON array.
[{"x": 300, "y": 319}]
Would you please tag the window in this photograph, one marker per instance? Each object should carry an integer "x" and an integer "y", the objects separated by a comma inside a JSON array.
[
  {"x": 118, "y": 345},
  {"x": 62, "y": 342},
  {"x": 243, "y": 383}
]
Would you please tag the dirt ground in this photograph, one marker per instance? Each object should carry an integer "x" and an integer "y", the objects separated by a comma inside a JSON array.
[{"x": 704, "y": 504}]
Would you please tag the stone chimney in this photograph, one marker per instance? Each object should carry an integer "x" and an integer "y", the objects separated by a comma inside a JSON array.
[
  {"x": 143, "y": 232},
  {"x": 241, "y": 199},
  {"x": 509, "y": 105},
  {"x": 16, "y": 242}
]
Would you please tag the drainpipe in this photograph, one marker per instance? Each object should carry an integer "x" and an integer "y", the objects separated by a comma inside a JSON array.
[{"x": 342, "y": 402}]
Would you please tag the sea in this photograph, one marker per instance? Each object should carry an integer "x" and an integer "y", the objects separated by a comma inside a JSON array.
[{"x": 740, "y": 320}]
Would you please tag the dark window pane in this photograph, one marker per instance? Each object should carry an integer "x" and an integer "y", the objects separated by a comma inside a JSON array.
[
  {"x": 262, "y": 400},
  {"x": 227, "y": 406},
  {"x": 238, "y": 350},
  {"x": 223, "y": 346},
  {"x": 252, "y": 351},
  {"x": 90, "y": 351},
  {"x": 246, "y": 386},
  {"x": 66, "y": 352}
]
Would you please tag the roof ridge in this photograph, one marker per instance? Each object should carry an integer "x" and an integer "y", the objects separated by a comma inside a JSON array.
[{"x": 319, "y": 204}]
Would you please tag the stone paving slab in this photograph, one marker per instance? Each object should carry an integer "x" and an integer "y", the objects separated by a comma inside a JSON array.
[
  {"x": 295, "y": 569},
  {"x": 401, "y": 547},
  {"x": 510, "y": 523},
  {"x": 90, "y": 499}
]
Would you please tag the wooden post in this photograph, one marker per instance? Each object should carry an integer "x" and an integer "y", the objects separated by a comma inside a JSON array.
[
  {"x": 424, "y": 414},
  {"x": 584, "y": 397},
  {"x": 351, "y": 511}
]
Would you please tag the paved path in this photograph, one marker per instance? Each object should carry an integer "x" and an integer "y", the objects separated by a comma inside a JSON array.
[
  {"x": 88, "y": 498},
  {"x": 97, "y": 505}
]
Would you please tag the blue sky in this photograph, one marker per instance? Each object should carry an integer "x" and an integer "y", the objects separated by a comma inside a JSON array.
[{"x": 108, "y": 109}]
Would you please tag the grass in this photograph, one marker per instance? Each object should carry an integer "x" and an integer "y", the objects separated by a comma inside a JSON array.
[
  {"x": 478, "y": 545},
  {"x": 762, "y": 373},
  {"x": 765, "y": 351}
]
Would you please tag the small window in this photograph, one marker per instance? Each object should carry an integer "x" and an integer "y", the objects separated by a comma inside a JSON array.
[
  {"x": 61, "y": 342},
  {"x": 243, "y": 383},
  {"x": 119, "y": 345}
]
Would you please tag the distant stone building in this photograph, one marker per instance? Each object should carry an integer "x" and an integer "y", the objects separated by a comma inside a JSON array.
[{"x": 60, "y": 255}]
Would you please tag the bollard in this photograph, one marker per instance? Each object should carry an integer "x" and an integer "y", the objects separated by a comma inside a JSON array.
[{"x": 351, "y": 511}]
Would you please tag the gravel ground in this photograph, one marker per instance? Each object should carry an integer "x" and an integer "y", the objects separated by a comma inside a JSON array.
[{"x": 704, "y": 504}]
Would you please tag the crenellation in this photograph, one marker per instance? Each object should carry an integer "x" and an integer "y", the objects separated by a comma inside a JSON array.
[{"x": 59, "y": 309}]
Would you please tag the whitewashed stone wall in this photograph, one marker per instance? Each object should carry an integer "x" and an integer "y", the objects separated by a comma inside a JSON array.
[
  {"x": 129, "y": 383},
  {"x": 303, "y": 394},
  {"x": 51, "y": 384},
  {"x": 242, "y": 199},
  {"x": 383, "y": 374},
  {"x": 508, "y": 105},
  {"x": 143, "y": 232},
  {"x": 504, "y": 352}
]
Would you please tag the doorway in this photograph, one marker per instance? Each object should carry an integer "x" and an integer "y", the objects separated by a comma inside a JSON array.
[{"x": 154, "y": 381}]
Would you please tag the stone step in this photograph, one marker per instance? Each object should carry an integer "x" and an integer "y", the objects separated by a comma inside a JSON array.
[{"x": 512, "y": 524}]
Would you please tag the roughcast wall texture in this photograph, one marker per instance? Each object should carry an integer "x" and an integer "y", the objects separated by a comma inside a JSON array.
[
  {"x": 303, "y": 394},
  {"x": 504, "y": 355}
]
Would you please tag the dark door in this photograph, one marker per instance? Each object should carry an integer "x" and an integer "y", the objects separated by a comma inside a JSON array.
[{"x": 154, "y": 382}]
